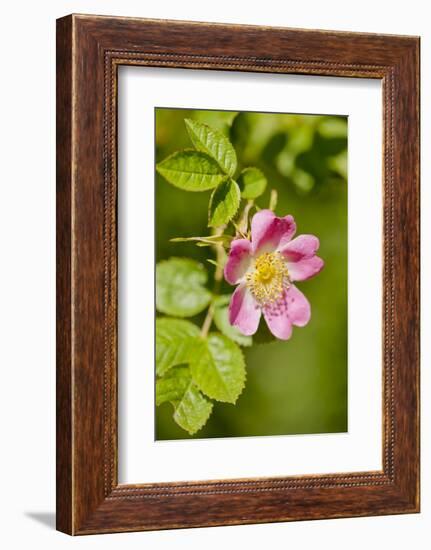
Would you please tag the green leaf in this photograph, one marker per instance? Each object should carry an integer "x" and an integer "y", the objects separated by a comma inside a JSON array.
[
  {"x": 191, "y": 408},
  {"x": 221, "y": 319},
  {"x": 252, "y": 183},
  {"x": 191, "y": 171},
  {"x": 173, "y": 386},
  {"x": 219, "y": 369},
  {"x": 224, "y": 203},
  {"x": 193, "y": 411},
  {"x": 180, "y": 287},
  {"x": 175, "y": 343},
  {"x": 214, "y": 143}
]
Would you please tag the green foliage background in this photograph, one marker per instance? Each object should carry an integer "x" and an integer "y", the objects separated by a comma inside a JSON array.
[{"x": 293, "y": 387}]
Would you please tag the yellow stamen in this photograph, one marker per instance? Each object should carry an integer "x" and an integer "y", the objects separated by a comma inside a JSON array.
[{"x": 268, "y": 279}]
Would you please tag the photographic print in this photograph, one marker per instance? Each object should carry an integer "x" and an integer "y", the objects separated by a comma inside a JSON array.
[
  {"x": 251, "y": 276},
  {"x": 227, "y": 291}
]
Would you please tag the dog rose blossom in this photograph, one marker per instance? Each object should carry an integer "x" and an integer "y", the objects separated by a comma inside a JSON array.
[{"x": 265, "y": 268}]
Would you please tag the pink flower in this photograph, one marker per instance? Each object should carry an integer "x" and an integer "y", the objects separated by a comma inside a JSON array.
[{"x": 264, "y": 270}]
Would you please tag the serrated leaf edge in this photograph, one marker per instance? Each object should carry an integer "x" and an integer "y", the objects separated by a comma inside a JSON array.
[
  {"x": 211, "y": 200},
  {"x": 203, "y": 153},
  {"x": 191, "y": 133},
  {"x": 161, "y": 373},
  {"x": 210, "y": 410},
  {"x": 241, "y": 389}
]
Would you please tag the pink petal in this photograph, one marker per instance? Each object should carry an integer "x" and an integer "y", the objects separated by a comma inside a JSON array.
[
  {"x": 304, "y": 246},
  {"x": 244, "y": 313},
  {"x": 304, "y": 269},
  {"x": 238, "y": 260},
  {"x": 268, "y": 232},
  {"x": 293, "y": 308}
]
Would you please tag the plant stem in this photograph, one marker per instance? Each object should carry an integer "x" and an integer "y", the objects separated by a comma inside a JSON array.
[
  {"x": 242, "y": 226},
  {"x": 208, "y": 320},
  {"x": 273, "y": 199},
  {"x": 220, "y": 259},
  {"x": 218, "y": 277}
]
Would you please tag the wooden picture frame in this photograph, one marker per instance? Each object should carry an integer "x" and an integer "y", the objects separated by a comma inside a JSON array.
[{"x": 89, "y": 51}]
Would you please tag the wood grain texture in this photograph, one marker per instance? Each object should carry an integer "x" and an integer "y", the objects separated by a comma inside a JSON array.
[
  {"x": 90, "y": 49},
  {"x": 64, "y": 497}
]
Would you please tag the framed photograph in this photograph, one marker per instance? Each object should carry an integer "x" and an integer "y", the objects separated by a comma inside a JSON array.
[{"x": 237, "y": 274}]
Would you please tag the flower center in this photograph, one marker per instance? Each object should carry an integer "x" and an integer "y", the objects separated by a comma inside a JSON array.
[{"x": 268, "y": 279}]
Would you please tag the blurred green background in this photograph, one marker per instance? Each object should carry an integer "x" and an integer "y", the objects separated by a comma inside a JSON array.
[{"x": 298, "y": 386}]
